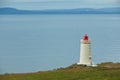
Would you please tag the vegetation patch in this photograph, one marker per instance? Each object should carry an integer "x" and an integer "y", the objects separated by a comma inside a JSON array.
[{"x": 104, "y": 71}]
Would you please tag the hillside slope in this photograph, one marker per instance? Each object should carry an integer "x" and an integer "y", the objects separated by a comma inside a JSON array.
[{"x": 104, "y": 71}]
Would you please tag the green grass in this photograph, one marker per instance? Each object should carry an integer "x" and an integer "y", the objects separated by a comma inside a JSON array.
[{"x": 104, "y": 71}]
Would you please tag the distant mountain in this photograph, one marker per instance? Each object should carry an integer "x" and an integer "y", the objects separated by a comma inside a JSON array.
[{"x": 62, "y": 11}]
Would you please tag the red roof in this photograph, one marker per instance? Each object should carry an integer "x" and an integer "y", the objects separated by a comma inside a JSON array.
[{"x": 85, "y": 37}]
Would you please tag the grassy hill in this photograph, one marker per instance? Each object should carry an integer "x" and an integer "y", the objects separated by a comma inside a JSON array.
[{"x": 104, "y": 71}]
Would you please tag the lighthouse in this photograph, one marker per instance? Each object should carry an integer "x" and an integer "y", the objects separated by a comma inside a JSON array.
[{"x": 85, "y": 51}]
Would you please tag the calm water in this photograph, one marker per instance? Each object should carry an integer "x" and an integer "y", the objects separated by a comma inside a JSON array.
[{"x": 30, "y": 43}]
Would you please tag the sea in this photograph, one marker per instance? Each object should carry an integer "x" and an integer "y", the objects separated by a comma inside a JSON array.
[{"x": 32, "y": 43}]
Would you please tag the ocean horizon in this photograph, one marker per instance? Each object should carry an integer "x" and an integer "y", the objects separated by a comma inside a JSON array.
[{"x": 12, "y": 11}]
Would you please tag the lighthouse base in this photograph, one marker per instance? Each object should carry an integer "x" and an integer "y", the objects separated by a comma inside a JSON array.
[{"x": 92, "y": 65}]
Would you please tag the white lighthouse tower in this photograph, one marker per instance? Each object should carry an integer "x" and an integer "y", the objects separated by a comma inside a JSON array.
[{"x": 85, "y": 51}]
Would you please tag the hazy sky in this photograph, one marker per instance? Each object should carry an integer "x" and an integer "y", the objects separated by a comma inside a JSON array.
[{"x": 58, "y": 4}]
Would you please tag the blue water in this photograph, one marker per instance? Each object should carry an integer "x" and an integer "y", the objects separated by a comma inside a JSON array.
[{"x": 30, "y": 43}]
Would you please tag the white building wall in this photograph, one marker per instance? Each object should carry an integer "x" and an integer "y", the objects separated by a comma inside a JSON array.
[{"x": 85, "y": 53}]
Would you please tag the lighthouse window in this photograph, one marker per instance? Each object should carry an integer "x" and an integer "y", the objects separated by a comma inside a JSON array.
[{"x": 89, "y": 57}]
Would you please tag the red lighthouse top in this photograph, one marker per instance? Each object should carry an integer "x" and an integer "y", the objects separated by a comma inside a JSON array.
[{"x": 85, "y": 37}]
